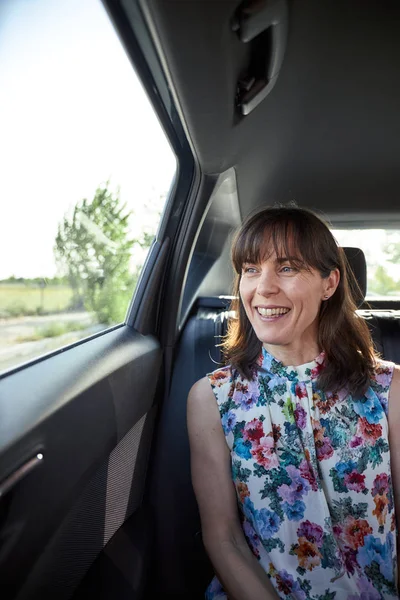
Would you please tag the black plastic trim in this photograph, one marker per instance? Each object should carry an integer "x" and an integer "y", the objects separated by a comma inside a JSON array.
[{"x": 131, "y": 25}]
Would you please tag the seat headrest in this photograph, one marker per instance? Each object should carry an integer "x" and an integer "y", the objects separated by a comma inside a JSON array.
[{"x": 356, "y": 260}]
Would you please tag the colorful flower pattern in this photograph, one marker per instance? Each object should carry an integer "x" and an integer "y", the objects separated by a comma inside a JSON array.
[{"x": 312, "y": 475}]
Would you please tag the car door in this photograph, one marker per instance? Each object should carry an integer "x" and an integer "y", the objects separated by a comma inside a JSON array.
[{"x": 77, "y": 421}]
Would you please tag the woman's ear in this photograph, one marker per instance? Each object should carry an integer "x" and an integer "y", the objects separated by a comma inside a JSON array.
[{"x": 331, "y": 282}]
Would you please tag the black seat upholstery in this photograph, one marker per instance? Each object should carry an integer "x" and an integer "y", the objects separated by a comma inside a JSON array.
[
  {"x": 357, "y": 263},
  {"x": 384, "y": 325},
  {"x": 182, "y": 569},
  {"x": 385, "y": 330}
]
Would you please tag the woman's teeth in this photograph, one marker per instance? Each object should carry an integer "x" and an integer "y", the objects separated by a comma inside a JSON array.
[{"x": 271, "y": 312}]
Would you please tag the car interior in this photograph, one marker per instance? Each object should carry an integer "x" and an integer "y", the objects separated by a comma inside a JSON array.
[{"x": 262, "y": 102}]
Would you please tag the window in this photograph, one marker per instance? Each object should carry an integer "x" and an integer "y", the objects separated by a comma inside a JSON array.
[
  {"x": 382, "y": 252},
  {"x": 86, "y": 169}
]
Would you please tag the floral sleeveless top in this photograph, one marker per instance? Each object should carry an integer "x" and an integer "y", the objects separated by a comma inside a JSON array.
[{"x": 313, "y": 482}]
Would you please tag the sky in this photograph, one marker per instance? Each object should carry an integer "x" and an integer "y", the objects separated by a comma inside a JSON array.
[{"x": 73, "y": 114}]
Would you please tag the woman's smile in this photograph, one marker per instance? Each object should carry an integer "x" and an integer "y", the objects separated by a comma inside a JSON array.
[
  {"x": 270, "y": 315},
  {"x": 282, "y": 299}
]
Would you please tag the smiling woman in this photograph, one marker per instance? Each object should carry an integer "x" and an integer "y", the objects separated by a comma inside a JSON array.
[
  {"x": 299, "y": 421},
  {"x": 287, "y": 259}
]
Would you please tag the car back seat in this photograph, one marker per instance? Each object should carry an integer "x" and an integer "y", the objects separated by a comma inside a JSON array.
[
  {"x": 385, "y": 330},
  {"x": 182, "y": 569}
]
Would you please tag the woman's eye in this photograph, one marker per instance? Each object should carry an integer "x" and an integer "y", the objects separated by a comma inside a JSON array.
[
  {"x": 288, "y": 269},
  {"x": 249, "y": 270}
]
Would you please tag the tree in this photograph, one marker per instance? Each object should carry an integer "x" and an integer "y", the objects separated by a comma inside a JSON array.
[
  {"x": 382, "y": 283},
  {"x": 93, "y": 249},
  {"x": 392, "y": 249}
]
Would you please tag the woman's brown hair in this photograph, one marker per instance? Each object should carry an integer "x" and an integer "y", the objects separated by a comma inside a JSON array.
[{"x": 343, "y": 336}]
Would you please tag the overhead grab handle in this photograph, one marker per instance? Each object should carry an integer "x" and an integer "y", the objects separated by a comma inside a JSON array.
[{"x": 251, "y": 20}]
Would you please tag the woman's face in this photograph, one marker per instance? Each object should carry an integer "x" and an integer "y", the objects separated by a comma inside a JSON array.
[{"x": 282, "y": 302}]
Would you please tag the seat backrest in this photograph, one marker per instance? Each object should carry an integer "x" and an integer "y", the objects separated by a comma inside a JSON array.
[
  {"x": 182, "y": 568},
  {"x": 357, "y": 263},
  {"x": 384, "y": 326}
]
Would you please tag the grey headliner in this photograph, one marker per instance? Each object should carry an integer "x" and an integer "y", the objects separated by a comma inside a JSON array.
[{"x": 328, "y": 136}]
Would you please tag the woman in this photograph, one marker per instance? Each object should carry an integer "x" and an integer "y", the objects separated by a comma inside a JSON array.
[{"x": 299, "y": 421}]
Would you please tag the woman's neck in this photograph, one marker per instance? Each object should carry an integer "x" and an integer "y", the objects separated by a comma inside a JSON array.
[{"x": 291, "y": 355}]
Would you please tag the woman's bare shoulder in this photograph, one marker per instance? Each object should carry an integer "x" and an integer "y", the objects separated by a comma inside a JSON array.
[
  {"x": 201, "y": 403},
  {"x": 395, "y": 385},
  {"x": 209, "y": 385},
  {"x": 201, "y": 387}
]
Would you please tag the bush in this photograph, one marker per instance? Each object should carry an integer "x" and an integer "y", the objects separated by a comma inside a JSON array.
[
  {"x": 53, "y": 330},
  {"x": 111, "y": 301},
  {"x": 19, "y": 310},
  {"x": 56, "y": 329}
]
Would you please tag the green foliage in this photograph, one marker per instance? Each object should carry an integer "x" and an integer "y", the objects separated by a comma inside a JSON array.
[
  {"x": 383, "y": 283},
  {"x": 53, "y": 330},
  {"x": 275, "y": 504},
  {"x": 376, "y": 452},
  {"x": 338, "y": 484},
  {"x": 344, "y": 507},
  {"x": 288, "y": 411},
  {"x": 392, "y": 249},
  {"x": 93, "y": 250},
  {"x": 277, "y": 477},
  {"x": 290, "y": 456},
  {"x": 273, "y": 543},
  {"x": 239, "y": 473},
  {"x": 267, "y": 396},
  {"x": 259, "y": 471},
  {"x": 35, "y": 281},
  {"x": 28, "y": 299},
  {"x": 226, "y": 407},
  {"x": 305, "y": 585},
  {"x": 329, "y": 553},
  {"x": 327, "y": 596},
  {"x": 379, "y": 581}
]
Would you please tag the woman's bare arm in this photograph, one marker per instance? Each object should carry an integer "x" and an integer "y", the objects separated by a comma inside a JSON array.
[
  {"x": 394, "y": 442},
  {"x": 238, "y": 570}
]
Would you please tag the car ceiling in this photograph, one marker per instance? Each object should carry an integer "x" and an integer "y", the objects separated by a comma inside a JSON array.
[{"x": 327, "y": 136}]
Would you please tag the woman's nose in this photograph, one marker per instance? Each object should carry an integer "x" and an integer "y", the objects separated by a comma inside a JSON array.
[{"x": 267, "y": 283}]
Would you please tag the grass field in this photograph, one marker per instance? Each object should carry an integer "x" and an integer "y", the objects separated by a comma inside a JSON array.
[{"x": 19, "y": 299}]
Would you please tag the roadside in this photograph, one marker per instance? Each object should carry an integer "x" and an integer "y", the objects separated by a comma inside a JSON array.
[{"x": 14, "y": 350}]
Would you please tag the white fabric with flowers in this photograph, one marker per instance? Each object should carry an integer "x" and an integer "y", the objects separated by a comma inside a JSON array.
[{"x": 313, "y": 481}]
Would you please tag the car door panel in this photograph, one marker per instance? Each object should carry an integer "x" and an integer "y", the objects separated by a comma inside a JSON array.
[
  {"x": 78, "y": 524},
  {"x": 86, "y": 410},
  {"x": 121, "y": 570}
]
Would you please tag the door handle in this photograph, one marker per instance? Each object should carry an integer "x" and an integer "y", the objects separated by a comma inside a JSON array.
[
  {"x": 252, "y": 19},
  {"x": 16, "y": 476}
]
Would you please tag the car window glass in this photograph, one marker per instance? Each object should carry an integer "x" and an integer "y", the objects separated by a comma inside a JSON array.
[
  {"x": 382, "y": 252},
  {"x": 86, "y": 170}
]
